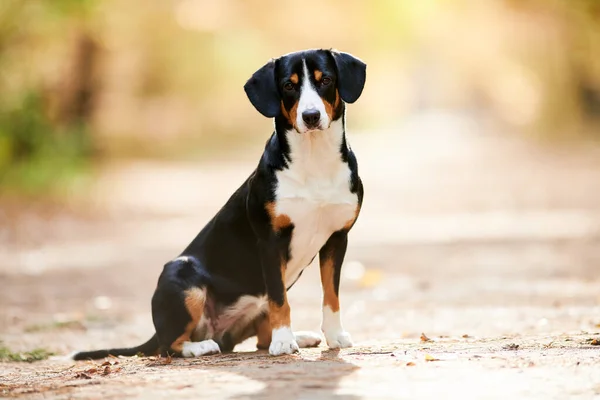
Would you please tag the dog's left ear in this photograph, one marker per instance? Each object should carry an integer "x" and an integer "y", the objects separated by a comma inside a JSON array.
[
  {"x": 262, "y": 91},
  {"x": 352, "y": 74}
]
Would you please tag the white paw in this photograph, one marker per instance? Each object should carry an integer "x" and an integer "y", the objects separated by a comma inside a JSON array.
[
  {"x": 279, "y": 347},
  {"x": 283, "y": 342},
  {"x": 307, "y": 339},
  {"x": 196, "y": 349},
  {"x": 338, "y": 340}
]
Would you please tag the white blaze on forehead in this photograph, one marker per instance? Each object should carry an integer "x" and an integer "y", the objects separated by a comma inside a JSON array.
[{"x": 309, "y": 100}]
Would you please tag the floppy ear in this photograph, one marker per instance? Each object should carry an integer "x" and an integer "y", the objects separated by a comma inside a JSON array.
[
  {"x": 352, "y": 74},
  {"x": 262, "y": 91}
]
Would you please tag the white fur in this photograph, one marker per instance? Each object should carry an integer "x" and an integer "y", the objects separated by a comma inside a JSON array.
[
  {"x": 335, "y": 335},
  {"x": 309, "y": 100},
  {"x": 196, "y": 349},
  {"x": 314, "y": 192},
  {"x": 283, "y": 342},
  {"x": 307, "y": 339},
  {"x": 232, "y": 319}
]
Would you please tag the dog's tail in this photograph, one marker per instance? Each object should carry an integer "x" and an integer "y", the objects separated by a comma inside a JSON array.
[{"x": 149, "y": 348}]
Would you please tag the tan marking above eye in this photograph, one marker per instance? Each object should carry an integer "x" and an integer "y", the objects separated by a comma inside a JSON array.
[
  {"x": 294, "y": 79},
  {"x": 318, "y": 75}
]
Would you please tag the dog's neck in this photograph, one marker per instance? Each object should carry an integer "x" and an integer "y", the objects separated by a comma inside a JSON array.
[{"x": 315, "y": 147}]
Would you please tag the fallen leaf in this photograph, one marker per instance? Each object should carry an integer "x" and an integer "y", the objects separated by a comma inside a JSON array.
[
  {"x": 429, "y": 357},
  {"x": 424, "y": 338},
  {"x": 105, "y": 363},
  {"x": 91, "y": 371},
  {"x": 511, "y": 346},
  {"x": 168, "y": 360},
  {"x": 82, "y": 375},
  {"x": 106, "y": 370},
  {"x": 465, "y": 336},
  {"x": 595, "y": 342},
  {"x": 410, "y": 364}
]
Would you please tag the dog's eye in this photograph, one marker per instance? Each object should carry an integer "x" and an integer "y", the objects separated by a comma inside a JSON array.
[
  {"x": 289, "y": 86},
  {"x": 325, "y": 81}
]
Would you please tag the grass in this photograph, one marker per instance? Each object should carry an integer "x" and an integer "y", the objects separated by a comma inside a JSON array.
[{"x": 38, "y": 354}]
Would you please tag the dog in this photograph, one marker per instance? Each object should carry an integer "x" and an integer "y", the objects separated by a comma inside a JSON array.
[{"x": 231, "y": 281}]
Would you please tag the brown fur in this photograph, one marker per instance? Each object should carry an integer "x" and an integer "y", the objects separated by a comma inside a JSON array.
[
  {"x": 318, "y": 75},
  {"x": 280, "y": 315},
  {"x": 329, "y": 297},
  {"x": 280, "y": 221},
  {"x": 294, "y": 79},
  {"x": 330, "y": 108},
  {"x": 291, "y": 114},
  {"x": 263, "y": 332},
  {"x": 194, "y": 303}
]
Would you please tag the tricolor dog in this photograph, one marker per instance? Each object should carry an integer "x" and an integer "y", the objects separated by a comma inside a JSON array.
[{"x": 303, "y": 198}]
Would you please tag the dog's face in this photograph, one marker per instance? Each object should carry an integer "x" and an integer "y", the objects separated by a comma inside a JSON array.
[{"x": 307, "y": 87}]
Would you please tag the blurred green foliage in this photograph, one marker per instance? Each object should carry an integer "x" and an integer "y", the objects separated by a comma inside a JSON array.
[{"x": 38, "y": 150}]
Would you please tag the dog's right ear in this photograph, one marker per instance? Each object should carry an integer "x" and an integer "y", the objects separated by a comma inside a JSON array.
[{"x": 262, "y": 91}]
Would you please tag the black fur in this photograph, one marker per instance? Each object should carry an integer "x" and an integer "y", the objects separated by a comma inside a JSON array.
[
  {"x": 262, "y": 90},
  {"x": 352, "y": 74}
]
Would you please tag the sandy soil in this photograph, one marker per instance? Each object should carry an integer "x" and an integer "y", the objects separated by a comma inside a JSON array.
[{"x": 487, "y": 244}]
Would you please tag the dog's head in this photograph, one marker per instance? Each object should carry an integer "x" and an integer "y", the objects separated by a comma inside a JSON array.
[{"x": 307, "y": 87}]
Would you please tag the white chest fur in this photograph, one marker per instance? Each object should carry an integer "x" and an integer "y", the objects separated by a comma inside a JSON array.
[{"x": 314, "y": 192}]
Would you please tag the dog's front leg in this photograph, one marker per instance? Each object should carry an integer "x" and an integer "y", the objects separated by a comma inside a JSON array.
[
  {"x": 331, "y": 257},
  {"x": 282, "y": 337}
]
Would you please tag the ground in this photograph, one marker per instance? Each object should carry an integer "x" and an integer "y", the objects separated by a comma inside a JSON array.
[{"x": 487, "y": 244}]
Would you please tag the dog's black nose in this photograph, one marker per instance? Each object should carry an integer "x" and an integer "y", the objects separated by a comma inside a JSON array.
[{"x": 311, "y": 117}]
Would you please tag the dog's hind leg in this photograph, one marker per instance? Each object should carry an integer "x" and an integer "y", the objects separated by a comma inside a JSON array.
[{"x": 177, "y": 306}]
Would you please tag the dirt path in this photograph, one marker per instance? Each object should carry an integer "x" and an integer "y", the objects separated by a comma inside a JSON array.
[{"x": 488, "y": 244}]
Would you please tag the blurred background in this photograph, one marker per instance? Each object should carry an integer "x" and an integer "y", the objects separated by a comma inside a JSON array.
[{"x": 124, "y": 127}]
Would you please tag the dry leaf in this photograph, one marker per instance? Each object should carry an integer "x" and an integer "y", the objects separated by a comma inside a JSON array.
[
  {"x": 429, "y": 357},
  {"x": 106, "y": 370},
  {"x": 82, "y": 375},
  {"x": 91, "y": 371},
  {"x": 410, "y": 364},
  {"x": 424, "y": 338},
  {"x": 511, "y": 346},
  {"x": 168, "y": 360},
  {"x": 105, "y": 363},
  {"x": 595, "y": 342},
  {"x": 465, "y": 336}
]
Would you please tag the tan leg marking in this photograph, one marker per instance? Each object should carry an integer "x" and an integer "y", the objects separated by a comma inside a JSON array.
[
  {"x": 194, "y": 303},
  {"x": 279, "y": 316},
  {"x": 263, "y": 332},
  {"x": 352, "y": 220},
  {"x": 330, "y": 299}
]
